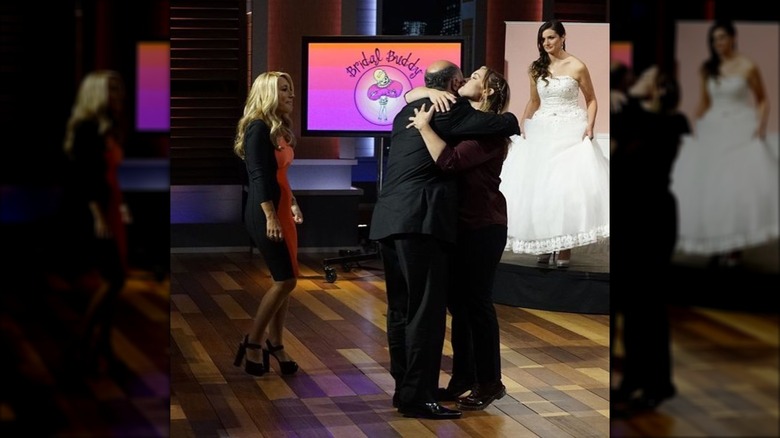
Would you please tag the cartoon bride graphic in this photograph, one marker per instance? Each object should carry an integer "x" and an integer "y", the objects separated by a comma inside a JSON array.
[{"x": 383, "y": 90}]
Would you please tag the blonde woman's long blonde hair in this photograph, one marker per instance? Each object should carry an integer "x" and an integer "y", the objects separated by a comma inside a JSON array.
[
  {"x": 96, "y": 98},
  {"x": 262, "y": 104}
]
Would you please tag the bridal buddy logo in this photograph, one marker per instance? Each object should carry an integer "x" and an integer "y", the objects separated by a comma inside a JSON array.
[
  {"x": 376, "y": 59},
  {"x": 381, "y": 81}
]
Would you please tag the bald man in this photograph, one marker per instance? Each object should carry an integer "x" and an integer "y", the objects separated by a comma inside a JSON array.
[{"x": 415, "y": 221}]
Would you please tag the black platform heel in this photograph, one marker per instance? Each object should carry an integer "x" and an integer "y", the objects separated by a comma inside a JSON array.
[
  {"x": 287, "y": 367},
  {"x": 253, "y": 368}
]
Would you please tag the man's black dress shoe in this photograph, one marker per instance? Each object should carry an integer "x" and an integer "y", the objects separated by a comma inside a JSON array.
[
  {"x": 482, "y": 396},
  {"x": 431, "y": 411}
]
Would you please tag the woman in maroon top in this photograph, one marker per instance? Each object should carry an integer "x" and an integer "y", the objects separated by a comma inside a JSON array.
[{"x": 482, "y": 233}]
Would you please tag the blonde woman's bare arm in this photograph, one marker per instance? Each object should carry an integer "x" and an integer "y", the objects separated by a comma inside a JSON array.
[
  {"x": 273, "y": 228},
  {"x": 296, "y": 212}
]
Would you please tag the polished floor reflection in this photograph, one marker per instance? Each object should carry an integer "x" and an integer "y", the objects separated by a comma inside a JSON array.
[{"x": 48, "y": 389}]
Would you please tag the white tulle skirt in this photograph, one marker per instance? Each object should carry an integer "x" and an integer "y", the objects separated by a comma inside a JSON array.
[
  {"x": 726, "y": 183},
  {"x": 556, "y": 186}
]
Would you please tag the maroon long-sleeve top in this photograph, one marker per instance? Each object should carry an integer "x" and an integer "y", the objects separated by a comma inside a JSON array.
[{"x": 477, "y": 166}]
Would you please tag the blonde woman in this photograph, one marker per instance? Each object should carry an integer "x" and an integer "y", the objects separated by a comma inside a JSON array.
[
  {"x": 265, "y": 141},
  {"x": 95, "y": 214}
]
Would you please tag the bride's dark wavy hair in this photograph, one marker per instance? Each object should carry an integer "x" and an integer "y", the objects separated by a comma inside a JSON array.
[
  {"x": 711, "y": 66},
  {"x": 540, "y": 69}
]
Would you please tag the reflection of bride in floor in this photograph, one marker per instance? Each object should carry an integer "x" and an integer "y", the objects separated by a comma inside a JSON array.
[{"x": 726, "y": 175}]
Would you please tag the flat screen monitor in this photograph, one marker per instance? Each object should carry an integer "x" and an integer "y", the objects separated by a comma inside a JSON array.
[
  {"x": 353, "y": 86},
  {"x": 153, "y": 87}
]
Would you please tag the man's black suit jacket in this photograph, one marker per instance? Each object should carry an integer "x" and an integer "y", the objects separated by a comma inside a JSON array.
[{"x": 416, "y": 197}]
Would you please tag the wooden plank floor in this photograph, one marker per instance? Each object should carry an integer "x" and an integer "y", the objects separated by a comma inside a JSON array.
[
  {"x": 42, "y": 393},
  {"x": 725, "y": 367},
  {"x": 555, "y": 365}
]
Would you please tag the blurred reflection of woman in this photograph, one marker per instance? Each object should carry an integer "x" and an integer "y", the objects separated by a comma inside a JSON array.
[
  {"x": 95, "y": 214},
  {"x": 726, "y": 177}
]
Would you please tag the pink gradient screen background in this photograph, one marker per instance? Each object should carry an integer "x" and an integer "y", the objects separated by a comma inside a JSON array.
[
  {"x": 153, "y": 90},
  {"x": 337, "y": 89},
  {"x": 622, "y": 52},
  {"x": 589, "y": 42},
  {"x": 757, "y": 41}
]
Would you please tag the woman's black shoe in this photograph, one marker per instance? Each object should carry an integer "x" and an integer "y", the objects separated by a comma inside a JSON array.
[
  {"x": 286, "y": 366},
  {"x": 482, "y": 396},
  {"x": 452, "y": 392},
  {"x": 253, "y": 368}
]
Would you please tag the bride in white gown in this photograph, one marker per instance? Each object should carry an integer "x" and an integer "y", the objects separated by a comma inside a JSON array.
[
  {"x": 555, "y": 178},
  {"x": 726, "y": 176}
]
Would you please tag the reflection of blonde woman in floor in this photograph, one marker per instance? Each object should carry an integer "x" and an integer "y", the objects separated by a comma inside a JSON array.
[
  {"x": 726, "y": 177},
  {"x": 94, "y": 210}
]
